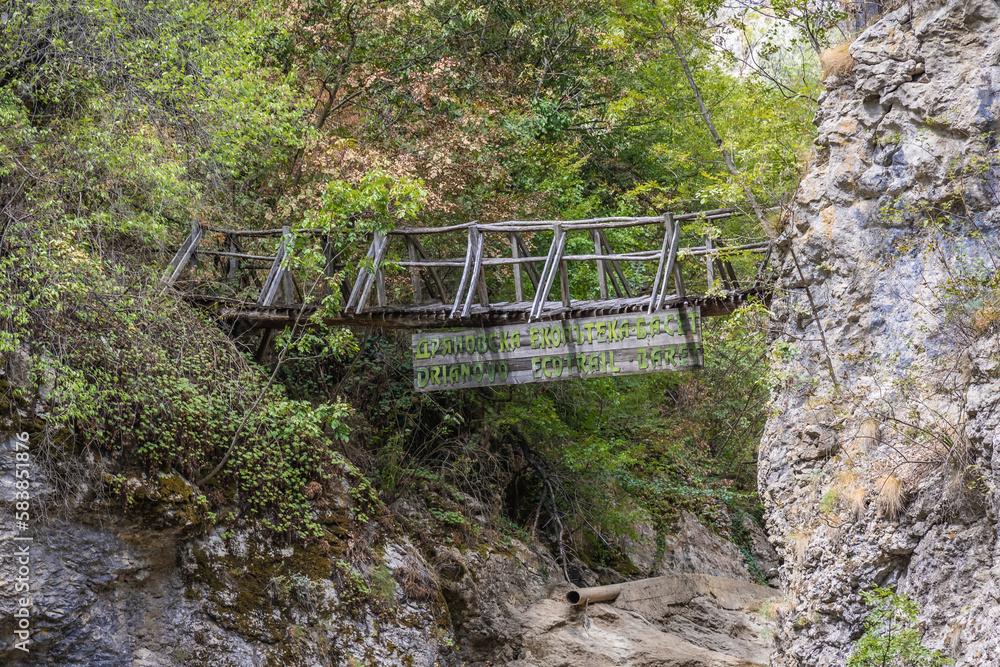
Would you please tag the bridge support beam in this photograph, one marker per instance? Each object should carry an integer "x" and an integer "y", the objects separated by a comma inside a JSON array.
[{"x": 183, "y": 255}]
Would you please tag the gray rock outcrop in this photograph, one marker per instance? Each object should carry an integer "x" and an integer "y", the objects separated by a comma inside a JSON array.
[
  {"x": 160, "y": 585},
  {"x": 888, "y": 475}
]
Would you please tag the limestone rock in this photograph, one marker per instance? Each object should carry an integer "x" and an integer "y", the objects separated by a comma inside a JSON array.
[
  {"x": 694, "y": 549},
  {"x": 693, "y": 620},
  {"x": 894, "y": 485}
]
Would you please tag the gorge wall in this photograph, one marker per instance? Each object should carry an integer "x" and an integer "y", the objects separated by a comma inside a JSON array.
[
  {"x": 887, "y": 475},
  {"x": 158, "y": 584}
]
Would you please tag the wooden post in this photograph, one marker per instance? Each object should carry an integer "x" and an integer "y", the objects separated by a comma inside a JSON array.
[
  {"x": 274, "y": 277},
  {"x": 763, "y": 266},
  {"x": 722, "y": 274},
  {"x": 328, "y": 268},
  {"x": 662, "y": 271},
  {"x": 330, "y": 271},
  {"x": 679, "y": 279},
  {"x": 378, "y": 245},
  {"x": 442, "y": 293},
  {"x": 564, "y": 284},
  {"x": 670, "y": 268},
  {"x": 380, "y": 287},
  {"x": 183, "y": 256},
  {"x": 411, "y": 250},
  {"x": 466, "y": 271},
  {"x": 602, "y": 277},
  {"x": 286, "y": 274},
  {"x": 549, "y": 272},
  {"x": 359, "y": 283},
  {"x": 484, "y": 297},
  {"x": 727, "y": 268},
  {"x": 234, "y": 264},
  {"x": 265, "y": 342},
  {"x": 530, "y": 267},
  {"x": 476, "y": 275},
  {"x": 732, "y": 274},
  {"x": 615, "y": 266},
  {"x": 709, "y": 265},
  {"x": 515, "y": 253}
]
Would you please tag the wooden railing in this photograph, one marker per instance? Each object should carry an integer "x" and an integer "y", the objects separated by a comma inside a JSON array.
[{"x": 432, "y": 279}]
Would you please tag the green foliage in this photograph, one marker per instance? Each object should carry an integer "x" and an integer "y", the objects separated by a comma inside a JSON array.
[
  {"x": 384, "y": 585},
  {"x": 648, "y": 446},
  {"x": 123, "y": 121},
  {"x": 828, "y": 503},
  {"x": 374, "y": 203},
  {"x": 891, "y": 638}
]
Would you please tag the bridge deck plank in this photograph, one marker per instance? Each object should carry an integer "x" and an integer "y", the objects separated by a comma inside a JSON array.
[{"x": 436, "y": 315}]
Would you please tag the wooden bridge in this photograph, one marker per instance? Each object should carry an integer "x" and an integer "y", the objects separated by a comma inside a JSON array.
[{"x": 413, "y": 278}]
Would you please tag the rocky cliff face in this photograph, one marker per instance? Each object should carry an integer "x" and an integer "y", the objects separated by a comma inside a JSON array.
[
  {"x": 888, "y": 475},
  {"x": 158, "y": 584}
]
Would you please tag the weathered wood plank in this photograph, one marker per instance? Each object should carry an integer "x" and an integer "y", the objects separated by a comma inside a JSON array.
[
  {"x": 506, "y": 226},
  {"x": 515, "y": 253},
  {"x": 411, "y": 252},
  {"x": 435, "y": 316},
  {"x": 602, "y": 274},
  {"x": 183, "y": 255},
  {"x": 442, "y": 293},
  {"x": 542, "y": 352},
  {"x": 615, "y": 265},
  {"x": 466, "y": 270},
  {"x": 379, "y": 245},
  {"x": 237, "y": 255}
]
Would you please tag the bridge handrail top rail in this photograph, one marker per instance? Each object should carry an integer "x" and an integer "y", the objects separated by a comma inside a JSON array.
[
  {"x": 506, "y": 226},
  {"x": 639, "y": 256},
  {"x": 567, "y": 225}
]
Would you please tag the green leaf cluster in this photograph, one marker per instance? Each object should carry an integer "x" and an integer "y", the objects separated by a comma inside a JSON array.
[{"x": 891, "y": 637}]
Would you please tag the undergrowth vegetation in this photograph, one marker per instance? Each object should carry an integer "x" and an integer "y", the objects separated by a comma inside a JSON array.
[{"x": 122, "y": 122}]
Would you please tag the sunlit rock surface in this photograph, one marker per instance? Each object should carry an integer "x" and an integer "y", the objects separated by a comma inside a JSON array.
[{"x": 890, "y": 479}]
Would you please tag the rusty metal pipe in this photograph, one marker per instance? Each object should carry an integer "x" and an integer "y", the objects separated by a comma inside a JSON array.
[{"x": 596, "y": 594}]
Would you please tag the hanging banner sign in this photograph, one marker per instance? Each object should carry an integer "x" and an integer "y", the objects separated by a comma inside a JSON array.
[{"x": 669, "y": 340}]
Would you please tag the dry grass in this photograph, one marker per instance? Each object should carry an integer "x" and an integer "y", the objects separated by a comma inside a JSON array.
[
  {"x": 987, "y": 315},
  {"x": 867, "y": 439},
  {"x": 837, "y": 61},
  {"x": 856, "y": 501},
  {"x": 853, "y": 492},
  {"x": 891, "y": 495},
  {"x": 869, "y": 431},
  {"x": 418, "y": 584},
  {"x": 800, "y": 544}
]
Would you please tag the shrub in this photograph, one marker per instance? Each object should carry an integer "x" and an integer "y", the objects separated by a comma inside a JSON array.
[{"x": 891, "y": 638}]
